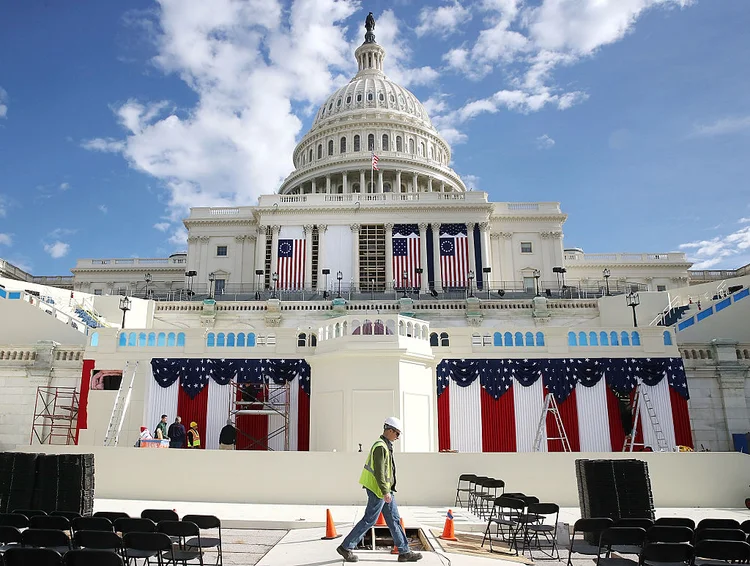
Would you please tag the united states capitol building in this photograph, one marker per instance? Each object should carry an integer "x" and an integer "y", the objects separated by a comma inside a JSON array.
[{"x": 373, "y": 282}]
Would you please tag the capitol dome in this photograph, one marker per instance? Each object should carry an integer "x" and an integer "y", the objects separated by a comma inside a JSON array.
[{"x": 372, "y": 120}]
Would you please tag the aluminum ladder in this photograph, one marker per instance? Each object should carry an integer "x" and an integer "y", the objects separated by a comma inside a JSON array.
[
  {"x": 550, "y": 406},
  {"x": 640, "y": 401},
  {"x": 120, "y": 408}
]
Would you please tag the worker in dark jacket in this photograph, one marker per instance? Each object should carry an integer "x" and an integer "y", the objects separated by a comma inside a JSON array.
[
  {"x": 176, "y": 434},
  {"x": 228, "y": 436}
]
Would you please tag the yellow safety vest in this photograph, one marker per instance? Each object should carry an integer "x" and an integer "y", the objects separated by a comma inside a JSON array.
[
  {"x": 196, "y": 438},
  {"x": 367, "y": 479}
]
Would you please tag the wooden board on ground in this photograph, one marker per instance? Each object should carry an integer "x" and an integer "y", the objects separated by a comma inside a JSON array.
[{"x": 471, "y": 544}]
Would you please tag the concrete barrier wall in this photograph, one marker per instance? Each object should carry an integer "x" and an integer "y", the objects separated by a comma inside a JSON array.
[{"x": 708, "y": 479}]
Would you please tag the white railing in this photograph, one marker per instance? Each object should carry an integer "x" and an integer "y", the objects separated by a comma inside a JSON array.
[
  {"x": 673, "y": 303},
  {"x": 674, "y": 257},
  {"x": 116, "y": 263}
]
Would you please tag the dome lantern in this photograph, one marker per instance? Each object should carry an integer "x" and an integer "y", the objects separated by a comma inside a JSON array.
[{"x": 370, "y": 55}]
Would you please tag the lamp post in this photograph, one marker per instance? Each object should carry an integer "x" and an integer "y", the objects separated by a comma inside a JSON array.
[
  {"x": 418, "y": 286},
  {"x": 339, "y": 277},
  {"x": 190, "y": 275},
  {"x": 372, "y": 289},
  {"x": 633, "y": 301},
  {"x": 325, "y": 287},
  {"x": 211, "y": 279},
  {"x": 148, "y": 279},
  {"x": 471, "y": 283},
  {"x": 258, "y": 274},
  {"x": 486, "y": 281},
  {"x": 537, "y": 275},
  {"x": 605, "y": 274},
  {"x": 275, "y": 279},
  {"x": 124, "y": 307},
  {"x": 405, "y": 278}
]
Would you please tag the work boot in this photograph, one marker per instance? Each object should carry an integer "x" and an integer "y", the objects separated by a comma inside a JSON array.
[
  {"x": 348, "y": 555},
  {"x": 410, "y": 557}
]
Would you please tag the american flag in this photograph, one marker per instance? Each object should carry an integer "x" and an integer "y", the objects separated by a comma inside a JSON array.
[
  {"x": 375, "y": 162},
  {"x": 406, "y": 255},
  {"x": 291, "y": 264},
  {"x": 454, "y": 255}
]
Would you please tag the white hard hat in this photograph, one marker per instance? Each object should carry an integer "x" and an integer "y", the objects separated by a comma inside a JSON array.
[{"x": 394, "y": 422}]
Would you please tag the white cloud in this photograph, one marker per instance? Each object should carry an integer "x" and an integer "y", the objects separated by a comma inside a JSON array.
[
  {"x": 545, "y": 142},
  {"x": 443, "y": 20},
  {"x": 718, "y": 250},
  {"x": 162, "y": 226},
  {"x": 6, "y": 240},
  {"x": 398, "y": 54},
  {"x": 3, "y": 206},
  {"x": 723, "y": 126},
  {"x": 179, "y": 237},
  {"x": 471, "y": 182},
  {"x": 64, "y": 186},
  {"x": 743, "y": 220},
  {"x": 106, "y": 145},
  {"x": 58, "y": 233},
  {"x": 103, "y": 208},
  {"x": 57, "y": 249},
  {"x": 3, "y": 103}
]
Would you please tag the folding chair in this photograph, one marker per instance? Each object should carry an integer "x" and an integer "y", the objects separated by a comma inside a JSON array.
[
  {"x": 50, "y": 522},
  {"x": 134, "y": 525},
  {"x": 9, "y": 538},
  {"x": 488, "y": 497},
  {"x": 720, "y": 534},
  {"x": 721, "y": 552},
  {"x": 667, "y": 553},
  {"x": 538, "y": 523},
  {"x": 206, "y": 522},
  {"x": 627, "y": 537},
  {"x": 745, "y": 526},
  {"x": 29, "y": 513},
  {"x": 642, "y": 522},
  {"x": 46, "y": 538},
  {"x": 468, "y": 480},
  {"x": 718, "y": 524},
  {"x": 667, "y": 533},
  {"x": 92, "y": 558},
  {"x": 158, "y": 515},
  {"x": 675, "y": 522},
  {"x": 14, "y": 520},
  {"x": 92, "y": 524},
  {"x": 69, "y": 515},
  {"x": 32, "y": 557},
  {"x": 99, "y": 540},
  {"x": 181, "y": 530},
  {"x": 593, "y": 526},
  {"x": 476, "y": 491},
  {"x": 145, "y": 546},
  {"x": 112, "y": 515},
  {"x": 505, "y": 513}
]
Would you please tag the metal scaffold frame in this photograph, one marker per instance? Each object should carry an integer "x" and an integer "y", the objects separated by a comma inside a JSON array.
[
  {"x": 261, "y": 398},
  {"x": 55, "y": 415}
]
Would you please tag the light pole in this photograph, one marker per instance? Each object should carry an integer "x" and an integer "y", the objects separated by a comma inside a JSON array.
[
  {"x": 190, "y": 275},
  {"x": 325, "y": 288},
  {"x": 537, "y": 275},
  {"x": 471, "y": 283},
  {"x": 339, "y": 277},
  {"x": 486, "y": 281},
  {"x": 148, "y": 282},
  {"x": 633, "y": 301},
  {"x": 211, "y": 279},
  {"x": 605, "y": 273},
  {"x": 275, "y": 279},
  {"x": 258, "y": 274},
  {"x": 405, "y": 278},
  {"x": 124, "y": 307}
]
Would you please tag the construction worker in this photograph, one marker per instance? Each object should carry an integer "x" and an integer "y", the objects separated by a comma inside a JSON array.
[
  {"x": 193, "y": 438},
  {"x": 378, "y": 478}
]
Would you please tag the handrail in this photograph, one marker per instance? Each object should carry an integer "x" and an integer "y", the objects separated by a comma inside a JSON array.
[{"x": 663, "y": 314}]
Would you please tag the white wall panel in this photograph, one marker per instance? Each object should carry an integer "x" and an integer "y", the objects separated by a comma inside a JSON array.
[
  {"x": 466, "y": 417},
  {"x": 528, "y": 404},
  {"x": 219, "y": 399},
  {"x": 161, "y": 401},
  {"x": 593, "y": 418},
  {"x": 291, "y": 233},
  {"x": 659, "y": 396},
  {"x": 293, "y": 413},
  {"x": 338, "y": 253}
]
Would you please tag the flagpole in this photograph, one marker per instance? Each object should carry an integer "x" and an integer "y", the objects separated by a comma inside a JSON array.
[{"x": 372, "y": 170}]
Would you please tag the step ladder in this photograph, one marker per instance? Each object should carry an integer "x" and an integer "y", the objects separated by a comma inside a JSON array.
[
  {"x": 550, "y": 407},
  {"x": 641, "y": 400},
  {"x": 120, "y": 408}
]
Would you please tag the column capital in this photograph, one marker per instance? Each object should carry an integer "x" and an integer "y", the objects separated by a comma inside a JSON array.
[
  {"x": 389, "y": 227},
  {"x": 422, "y": 226},
  {"x": 308, "y": 228},
  {"x": 261, "y": 229},
  {"x": 275, "y": 228},
  {"x": 484, "y": 226},
  {"x": 545, "y": 235},
  {"x": 495, "y": 235},
  {"x": 506, "y": 235},
  {"x": 322, "y": 228},
  {"x": 192, "y": 239},
  {"x": 251, "y": 237},
  {"x": 354, "y": 228},
  {"x": 240, "y": 238},
  {"x": 205, "y": 239},
  {"x": 470, "y": 225}
]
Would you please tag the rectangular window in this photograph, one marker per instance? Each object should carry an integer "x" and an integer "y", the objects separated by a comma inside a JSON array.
[
  {"x": 97, "y": 291},
  {"x": 219, "y": 286},
  {"x": 525, "y": 247},
  {"x": 528, "y": 284},
  {"x": 221, "y": 250},
  {"x": 661, "y": 287}
]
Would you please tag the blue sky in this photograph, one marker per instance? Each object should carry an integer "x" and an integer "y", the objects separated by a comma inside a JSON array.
[{"x": 115, "y": 119}]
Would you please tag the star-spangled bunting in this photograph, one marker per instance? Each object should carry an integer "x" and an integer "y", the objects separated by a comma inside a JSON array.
[{"x": 562, "y": 375}]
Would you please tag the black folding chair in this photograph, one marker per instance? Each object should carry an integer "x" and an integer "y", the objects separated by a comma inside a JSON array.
[
  {"x": 667, "y": 553},
  {"x": 721, "y": 552},
  {"x": 29, "y": 513},
  {"x": 542, "y": 522},
  {"x": 642, "y": 522},
  {"x": 718, "y": 524},
  {"x": 112, "y": 515},
  {"x": 23, "y": 556},
  {"x": 206, "y": 522},
  {"x": 69, "y": 515},
  {"x": 159, "y": 515},
  {"x": 182, "y": 531},
  {"x": 623, "y": 537},
  {"x": 476, "y": 490},
  {"x": 92, "y": 524},
  {"x": 745, "y": 526},
  {"x": 505, "y": 513},
  {"x": 46, "y": 538},
  {"x": 720, "y": 534},
  {"x": 591, "y": 526},
  {"x": 144, "y": 546},
  {"x": 668, "y": 533},
  {"x": 9, "y": 538},
  {"x": 486, "y": 500},
  {"x": 50, "y": 522},
  {"x": 467, "y": 480},
  {"x": 134, "y": 525},
  {"x": 99, "y": 540},
  {"x": 92, "y": 558},
  {"x": 675, "y": 522},
  {"x": 14, "y": 520}
]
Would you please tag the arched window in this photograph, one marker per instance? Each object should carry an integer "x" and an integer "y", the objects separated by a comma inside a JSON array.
[
  {"x": 386, "y": 187},
  {"x": 572, "y": 340},
  {"x": 320, "y": 151},
  {"x": 508, "y": 339},
  {"x": 411, "y": 146},
  {"x": 434, "y": 339},
  {"x": 301, "y": 340},
  {"x": 330, "y": 147},
  {"x": 123, "y": 339},
  {"x": 95, "y": 339},
  {"x": 445, "y": 339},
  {"x": 221, "y": 339},
  {"x": 313, "y": 340},
  {"x": 593, "y": 339},
  {"x": 355, "y": 188},
  {"x": 432, "y": 153},
  {"x": 309, "y": 159},
  {"x": 371, "y": 142},
  {"x": 132, "y": 339},
  {"x": 399, "y": 144},
  {"x": 141, "y": 339},
  {"x": 181, "y": 339},
  {"x": 151, "y": 339},
  {"x": 356, "y": 143},
  {"x": 497, "y": 339},
  {"x": 613, "y": 340},
  {"x": 421, "y": 148},
  {"x": 230, "y": 339},
  {"x": 210, "y": 340},
  {"x": 603, "y": 338},
  {"x": 582, "y": 339},
  {"x": 624, "y": 338},
  {"x": 385, "y": 142},
  {"x": 241, "y": 340},
  {"x": 519, "y": 339},
  {"x": 161, "y": 339},
  {"x": 540, "y": 339},
  {"x": 635, "y": 339},
  {"x": 251, "y": 339},
  {"x": 529, "y": 339},
  {"x": 342, "y": 145},
  {"x": 667, "y": 338}
]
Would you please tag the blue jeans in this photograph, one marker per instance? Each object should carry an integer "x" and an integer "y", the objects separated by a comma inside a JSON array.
[{"x": 390, "y": 511}]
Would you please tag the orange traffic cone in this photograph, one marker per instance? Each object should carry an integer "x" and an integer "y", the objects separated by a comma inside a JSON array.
[
  {"x": 449, "y": 531},
  {"x": 381, "y": 521},
  {"x": 395, "y": 548},
  {"x": 330, "y": 527}
]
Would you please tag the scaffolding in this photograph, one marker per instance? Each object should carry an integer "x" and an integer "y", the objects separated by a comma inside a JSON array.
[
  {"x": 55, "y": 415},
  {"x": 551, "y": 408},
  {"x": 642, "y": 402},
  {"x": 262, "y": 398}
]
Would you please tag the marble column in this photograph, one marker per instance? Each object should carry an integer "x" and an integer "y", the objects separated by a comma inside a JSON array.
[
  {"x": 472, "y": 255},
  {"x": 484, "y": 244},
  {"x": 429, "y": 184},
  {"x": 355, "y": 254},
  {"x": 424, "y": 286},
  {"x": 239, "y": 254},
  {"x": 388, "y": 254},
  {"x": 307, "y": 284},
  {"x": 442, "y": 186},
  {"x": 322, "y": 257},
  {"x": 314, "y": 187},
  {"x": 436, "y": 255},
  {"x": 344, "y": 188},
  {"x": 274, "y": 249},
  {"x": 397, "y": 188},
  {"x": 362, "y": 186},
  {"x": 509, "y": 267},
  {"x": 204, "y": 268},
  {"x": 260, "y": 254},
  {"x": 328, "y": 184},
  {"x": 497, "y": 266},
  {"x": 415, "y": 187},
  {"x": 380, "y": 182}
]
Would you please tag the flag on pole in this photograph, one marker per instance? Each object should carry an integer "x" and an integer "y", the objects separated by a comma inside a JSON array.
[{"x": 375, "y": 162}]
